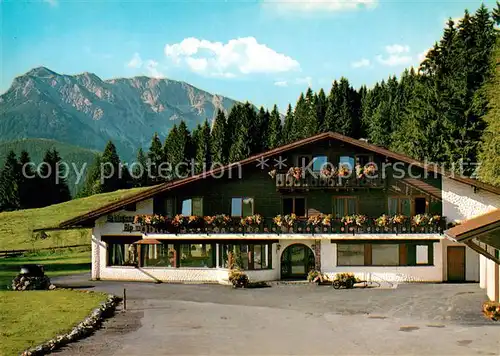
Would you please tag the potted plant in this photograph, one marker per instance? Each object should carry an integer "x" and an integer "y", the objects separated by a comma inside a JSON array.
[
  {"x": 238, "y": 278},
  {"x": 251, "y": 222},
  {"x": 420, "y": 220},
  {"x": 383, "y": 221},
  {"x": 285, "y": 222},
  {"x": 370, "y": 169}
]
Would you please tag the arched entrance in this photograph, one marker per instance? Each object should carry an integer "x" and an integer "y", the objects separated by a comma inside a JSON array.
[{"x": 296, "y": 262}]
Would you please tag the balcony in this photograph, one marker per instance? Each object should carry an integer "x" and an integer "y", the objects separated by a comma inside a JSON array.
[
  {"x": 285, "y": 181},
  {"x": 299, "y": 226}
]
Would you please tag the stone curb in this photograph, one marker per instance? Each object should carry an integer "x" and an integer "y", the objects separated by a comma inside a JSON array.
[{"x": 85, "y": 328}]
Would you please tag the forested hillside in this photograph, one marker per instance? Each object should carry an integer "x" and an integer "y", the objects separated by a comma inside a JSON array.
[{"x": 80, "y": 157}]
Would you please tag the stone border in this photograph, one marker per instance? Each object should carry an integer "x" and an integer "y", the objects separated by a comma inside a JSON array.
[{"x": 85, "y": 328}]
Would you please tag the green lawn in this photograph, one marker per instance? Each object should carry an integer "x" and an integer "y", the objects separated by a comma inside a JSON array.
[
  {"x": 16, "y": 227},
  {"x": 58, "y": 263},
  {"x": 30, "y": 318}
]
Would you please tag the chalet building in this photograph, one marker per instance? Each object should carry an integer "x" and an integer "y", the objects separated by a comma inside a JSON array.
[{"x": 351, "y": 207}]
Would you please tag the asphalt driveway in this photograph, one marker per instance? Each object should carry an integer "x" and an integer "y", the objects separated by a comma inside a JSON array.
[{"x": 175, "y": 319}]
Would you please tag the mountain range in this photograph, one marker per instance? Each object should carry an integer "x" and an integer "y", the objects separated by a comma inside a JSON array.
[{"x": 84, "y": 110}]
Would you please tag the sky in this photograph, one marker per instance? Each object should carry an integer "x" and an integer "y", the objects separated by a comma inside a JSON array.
[{"x": 266, "y": 52}]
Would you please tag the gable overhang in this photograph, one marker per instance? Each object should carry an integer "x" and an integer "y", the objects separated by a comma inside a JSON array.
[
  {"x": 478, "y": 231},
  {"x": 89, "y": 217}
]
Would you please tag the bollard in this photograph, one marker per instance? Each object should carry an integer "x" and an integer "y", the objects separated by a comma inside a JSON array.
[{"x": 124, "y": 299}]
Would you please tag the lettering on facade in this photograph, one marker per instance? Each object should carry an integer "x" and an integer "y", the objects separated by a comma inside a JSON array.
[{"x": 120, "y": 219}]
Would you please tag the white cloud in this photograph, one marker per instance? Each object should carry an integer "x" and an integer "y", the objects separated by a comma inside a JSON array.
[
  {"x": 51, "y": 2},
  {"x": 135, "y": 62},
  {"x": 319, "y": 5},
  {"x": 361, "y": 63},
  {"x": 304, "y": 80},
  {"x": 297, "y": 81},
  {"x": 397, "y": 49},
  {"x": 239, "y": 56},
  {"x": 281, "y": 83},
  {"x": 396, "y": 55},
  {"x": 151, "y": 67}
]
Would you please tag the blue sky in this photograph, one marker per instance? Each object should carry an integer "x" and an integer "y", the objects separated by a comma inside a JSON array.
[{"x": 265, "y": 52}]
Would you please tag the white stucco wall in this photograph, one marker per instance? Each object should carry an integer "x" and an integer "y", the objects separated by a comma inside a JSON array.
[{"x": 460, "y": 202}]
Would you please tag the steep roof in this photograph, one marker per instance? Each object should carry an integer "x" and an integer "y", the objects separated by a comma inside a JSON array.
[{"x": 79, "y": 220}]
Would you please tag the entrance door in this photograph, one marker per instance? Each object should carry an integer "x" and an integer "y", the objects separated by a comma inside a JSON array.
[
  {"x": 456, "y": 263},
  {"x": 296, "y": 262}
]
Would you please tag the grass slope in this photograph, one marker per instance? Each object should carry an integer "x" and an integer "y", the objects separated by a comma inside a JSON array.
[
  {"x": 16, "y": 227},
  {"x": 37, "y": 147},
  {"x": 30, "y": 318}
]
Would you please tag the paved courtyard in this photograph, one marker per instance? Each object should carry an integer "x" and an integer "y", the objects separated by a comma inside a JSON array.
[{"x": 169, "y": 319}]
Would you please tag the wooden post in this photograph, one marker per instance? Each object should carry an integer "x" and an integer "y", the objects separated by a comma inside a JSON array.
[{"x": 124, "y": 299}]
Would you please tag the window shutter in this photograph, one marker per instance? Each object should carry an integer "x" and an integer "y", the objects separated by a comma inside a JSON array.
[
  {"x": 393, "y": 206},
  {"x": 198, "y": 206}
]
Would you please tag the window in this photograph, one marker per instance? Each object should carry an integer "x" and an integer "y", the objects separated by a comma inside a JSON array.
[
  {"x": 350, "y": 254},
  {"x": 159, "y": 255},
  {"x": 419, "y": 254},
  {"x": 319, "y": 162},
  {"x": 363, "y": 160},
  {"x": 193, "y": 206},
  {"x": 294, "y": 205},
  {"x": 343, "y": 206},
  {"x": 241, "y": 206},
  {"x": 303, "y": 161},
  {"x": 420, "y": 206},
  {"x": 122, "y": 254},
  {"x": 196, "y": 255},
  {"x": 347, "y": 161},
  {"x": 130, "y": 207},
  {"x": 246, "y": 257},
  {"x": 385, "y": 254},
  {"x": 164, "y": 206},
  {"x": 399, "y": 205}
]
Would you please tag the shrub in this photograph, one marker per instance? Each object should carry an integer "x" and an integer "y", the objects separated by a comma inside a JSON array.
[
  {"x": 491, "y": 310},
  {"x": 238, "y": 279}
]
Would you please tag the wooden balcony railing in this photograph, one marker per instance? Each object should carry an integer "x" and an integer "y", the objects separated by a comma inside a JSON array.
[
  {"x": 286, "y": 181},
  {"x": 300, "y": 226}
]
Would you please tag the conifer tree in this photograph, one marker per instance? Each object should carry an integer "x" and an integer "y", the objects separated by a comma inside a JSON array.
[
  {"x": 140, "y": 169},
  {"x": 9, "y": 184},
  {"x": 179, "y": 149},
  {"x": 288, "y": 126},
  {"x": 300, "y": 114},
  {"x": 218, "y": 142},
  {"x": 92, "y": 183},
  {"x": 201, "y": 142},
  {"x": 243, "y": 141},
  {"x": 259, "y": 131},
  {"x": 274, "y": 133},
  {"x": 111, "y": 169},
  {"x": 330, "y": 123},
  {"x": 55, "y": 188},
  {"x": 321, "y": 106},
  {"x": 29, "y": 183},
  {"x": 311, "y": 125},
  {"x": 156, "y": 156}
]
